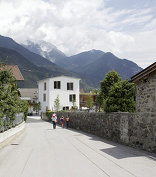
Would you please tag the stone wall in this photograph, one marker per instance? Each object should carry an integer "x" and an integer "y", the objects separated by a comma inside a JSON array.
[
  {"x": 131, "y": 129},
  {"x": 146, "y": 95},
  {"x": 144, "y": 125}
]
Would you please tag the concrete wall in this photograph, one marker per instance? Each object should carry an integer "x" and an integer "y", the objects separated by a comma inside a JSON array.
[
  {"x": 44, "y": 117},
  {"x": 8, "y": 135},
  {"x": 131, "y": 129}
]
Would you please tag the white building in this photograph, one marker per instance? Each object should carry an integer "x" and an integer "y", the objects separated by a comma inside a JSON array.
[{"x": 67, "y": 88}]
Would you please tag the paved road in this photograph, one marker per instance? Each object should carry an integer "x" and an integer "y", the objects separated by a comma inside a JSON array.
[{"x": 43, "y": 152}]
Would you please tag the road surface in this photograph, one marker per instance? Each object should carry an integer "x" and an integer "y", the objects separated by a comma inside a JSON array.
[{"x": 43, "y": 152}]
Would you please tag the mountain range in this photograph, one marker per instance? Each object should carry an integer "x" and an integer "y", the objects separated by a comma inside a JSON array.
[
  {"x": 46, "y": 50},
  {"x": 32, "y": 66},
  {"x": 94, "y": 64},
  {"x": 40, "y": 60}
]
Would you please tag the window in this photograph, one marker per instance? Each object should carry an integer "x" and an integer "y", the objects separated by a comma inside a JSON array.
[
  {"x": 45, "y": 86},
  {"x": 44, "y": 97},
  {"x": 72, "y": 97},
  {"x": 57, "y": 84},
  {"x": 69, "y": 86},
  {"x": 66, "y": 108}
]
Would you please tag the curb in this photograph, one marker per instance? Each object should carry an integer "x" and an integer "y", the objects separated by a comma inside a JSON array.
[{"x": 10, "y": 134}]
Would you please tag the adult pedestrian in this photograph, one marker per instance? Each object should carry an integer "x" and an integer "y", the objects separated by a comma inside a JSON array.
[
  {"x": 54, "y": 120},
  {"x": 67, "y": 122},
  {"x": 62, "y": 121}
]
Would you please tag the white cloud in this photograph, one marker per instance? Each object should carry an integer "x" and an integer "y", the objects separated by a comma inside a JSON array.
[
  {"x": 143, "y": 48},
  {"x": 76, "y": 26}
]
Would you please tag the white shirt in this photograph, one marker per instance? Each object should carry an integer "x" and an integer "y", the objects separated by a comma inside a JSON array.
[{"x": 54, "y": 117}]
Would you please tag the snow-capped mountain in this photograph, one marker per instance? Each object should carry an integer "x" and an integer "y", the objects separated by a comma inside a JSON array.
[
  {"x": 90, "y": 65},
  {"x": 46, "y": 50}
]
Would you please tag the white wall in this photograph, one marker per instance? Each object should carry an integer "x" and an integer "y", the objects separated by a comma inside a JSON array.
[
  {"x": 63, "y": 93},
  {"x": 41, "y": 91}
]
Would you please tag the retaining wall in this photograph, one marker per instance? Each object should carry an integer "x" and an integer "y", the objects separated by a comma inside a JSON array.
[
  {"x": 7, "y": 123},
  {"x": 135, "y": 130},
  {"x": 8, "y": 135}
]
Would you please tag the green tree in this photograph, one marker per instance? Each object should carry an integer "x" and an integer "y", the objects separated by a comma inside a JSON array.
[
  {"x": 36, "y": 106},
  {"x": 99, "y": 101},
  {"x": 10, "y": 103},
  {"x": 96, "y": 92},
  {"x": 24, "y": 106},
  {"x": 121, "y": 97},
  {"x": 89, "y": 102},
  {"x": 74, "y": 107},
  {"x": 110, "y": 79},
  {"x": 9, "y": 100},
  {"x": 57, "y": 103}
]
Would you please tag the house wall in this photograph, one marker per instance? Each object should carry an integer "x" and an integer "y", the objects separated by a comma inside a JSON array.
[
  {"x": 31, "y": 93},
  {"x": 146, "y": 95},
  {"x": 41, "y": 91},
  {"x": 63, "y": 93},
  {"x": 84, "y": 98}
]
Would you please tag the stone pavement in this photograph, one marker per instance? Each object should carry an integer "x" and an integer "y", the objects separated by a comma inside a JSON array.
[{"x": 43, "y": 152}]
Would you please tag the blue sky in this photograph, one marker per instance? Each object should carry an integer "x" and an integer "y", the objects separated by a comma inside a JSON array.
[
  {"x": 127, "y": 28},
  {"x": 149, "y": 7},
  {"x": 138, "y": 4}
]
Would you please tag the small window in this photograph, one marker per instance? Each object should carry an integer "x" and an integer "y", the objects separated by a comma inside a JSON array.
[
  {"x": 44, "y": 97},
  {"x": 45, "y": 86},
  {"x": 72, "y": 97},
  {"x": 69, "y": 86},
  {"x": 66, "y": 108},
  {"x": 57, "y": 84}
]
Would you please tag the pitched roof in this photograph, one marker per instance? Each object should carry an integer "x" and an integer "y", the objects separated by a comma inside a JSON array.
[
  {"x": 144, "y": 73},
  {"x": 15, "y": 71}
]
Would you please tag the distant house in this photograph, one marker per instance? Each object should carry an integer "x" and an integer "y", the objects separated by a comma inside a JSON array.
[
  {"x": 29, "y": 94},
  {"x": 84, "y": 99},
  {"x": 146, "y": 90},
  {"x": 66, "y": 88},
  {"x": 15, "y": 71}
]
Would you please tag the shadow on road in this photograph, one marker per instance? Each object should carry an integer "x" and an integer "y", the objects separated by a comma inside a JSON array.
[
  {"x": 120, "y": 152},
  {"x": 113, "y": 149},
  {"x": 116, "y": 150}
]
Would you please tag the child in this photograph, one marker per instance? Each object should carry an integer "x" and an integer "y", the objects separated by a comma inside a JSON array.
[
  {"x": 67, "y": 121},
  {"x": 54, "y": 120},
  {"x": 62, "y": 121}
]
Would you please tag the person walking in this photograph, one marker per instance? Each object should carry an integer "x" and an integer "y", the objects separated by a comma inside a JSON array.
[
  {"x": 67, "y": 122},
  {"x": 54, "y": 120},
  {"x": 62, "y": 121}
]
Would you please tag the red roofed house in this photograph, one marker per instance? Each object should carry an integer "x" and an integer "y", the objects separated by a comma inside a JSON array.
[{"x": 15, "y": 71}]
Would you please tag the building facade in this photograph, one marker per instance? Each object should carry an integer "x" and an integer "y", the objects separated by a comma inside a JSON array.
[
  {"x": 64, "y": 87},
  {"x": 84, "y": 99},
  {"x": 30, "y": 95},
  {"x": 145, "y": 82}
]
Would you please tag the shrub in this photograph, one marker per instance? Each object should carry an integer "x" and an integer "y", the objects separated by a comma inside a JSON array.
[
  {"x": 49, "y": 114},
  {"x": 24, "y": 108}
]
